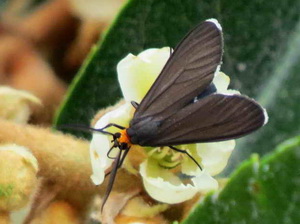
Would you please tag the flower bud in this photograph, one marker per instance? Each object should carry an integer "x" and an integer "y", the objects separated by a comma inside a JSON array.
[
  {"x": 58, "y": 212},
  {"x": 15, "y": 105},
  {"x": 18, "y": 169}
]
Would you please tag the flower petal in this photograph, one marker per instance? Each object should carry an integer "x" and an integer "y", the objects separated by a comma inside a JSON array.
[
  {"x": 232, "y": 92},
  {"x": 101, "y": 144},
  {"x": 22, "y": 151},
  {"x": 205, "y": 182},
  {"x": 99, "y": 160},
  {"x": 215, "y": 155},
  {"x": 136, "y": 74},
  {"x": 165, "y": 186},
  {"x": 221, "y": 82}
]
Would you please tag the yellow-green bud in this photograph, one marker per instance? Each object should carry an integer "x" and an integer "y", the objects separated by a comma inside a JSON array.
[{"x": 18, "y": 169}]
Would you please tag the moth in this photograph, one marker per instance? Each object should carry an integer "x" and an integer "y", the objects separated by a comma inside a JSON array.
[{"x": 183, "y": 107}]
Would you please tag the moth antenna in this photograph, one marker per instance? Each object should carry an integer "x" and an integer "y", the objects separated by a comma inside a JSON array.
[
  {"x": 82, "y": 128},
  {"x": 134, "y": 104},
  {"x": 121, "y": 160},
  {"x": 111, "y": 179}
]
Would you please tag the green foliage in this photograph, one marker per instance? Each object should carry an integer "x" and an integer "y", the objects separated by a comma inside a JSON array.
[
  {"x": 265, "y": 191},
  {"x": 262, "y": 39}
]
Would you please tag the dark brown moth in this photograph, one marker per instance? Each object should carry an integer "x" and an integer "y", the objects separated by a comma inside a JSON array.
[{"x": 183, "y": 107}]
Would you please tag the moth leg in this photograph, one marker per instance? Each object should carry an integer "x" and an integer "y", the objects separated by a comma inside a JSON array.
[
  {"x": 123, "y": 156},
  {"x": 189, "y": 155},
  {"x": 121, "y": 160},
  {"x": 109, "y": 151},
  {"x": 111, "y": 179},
  {"x": 135, "y": 104}
]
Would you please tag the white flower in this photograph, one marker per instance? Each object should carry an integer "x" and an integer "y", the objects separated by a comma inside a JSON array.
[
  {"x": 101, "y": 144},
  {"x": 169, "y": 187},
  {"x": 136, "y": 74},
  {"x": 168, "y": 176}
]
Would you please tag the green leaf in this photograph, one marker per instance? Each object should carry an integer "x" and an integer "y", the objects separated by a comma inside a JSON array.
[
  {"x": 266, "y": 191},
  {"x": 262, "y": 39}
]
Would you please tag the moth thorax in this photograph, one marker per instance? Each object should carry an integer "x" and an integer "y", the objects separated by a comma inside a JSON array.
[{"x": 124, "y": 138}]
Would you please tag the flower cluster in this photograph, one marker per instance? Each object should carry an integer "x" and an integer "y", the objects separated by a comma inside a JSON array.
[{"x": 168, "y": 176}]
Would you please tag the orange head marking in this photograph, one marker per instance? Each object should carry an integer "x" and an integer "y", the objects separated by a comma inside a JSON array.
[{"x": 124, "y": 138}]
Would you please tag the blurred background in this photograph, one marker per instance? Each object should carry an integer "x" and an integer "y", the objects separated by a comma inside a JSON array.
[{"x": 43, "y": 44}]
